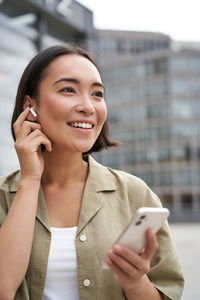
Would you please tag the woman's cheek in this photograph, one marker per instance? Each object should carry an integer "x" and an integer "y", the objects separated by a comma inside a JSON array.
[{"x": 104, "y": 112}]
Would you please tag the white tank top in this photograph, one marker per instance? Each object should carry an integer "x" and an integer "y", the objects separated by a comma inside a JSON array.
[{"x": 61, "y": 279}]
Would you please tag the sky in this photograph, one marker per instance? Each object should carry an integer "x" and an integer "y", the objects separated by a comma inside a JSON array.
[{"x": 180, "y": 19}]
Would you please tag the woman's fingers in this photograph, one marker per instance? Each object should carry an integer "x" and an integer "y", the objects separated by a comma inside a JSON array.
[
  {"x": 20, "y": 120},
  {"x": 21, "y": 131},
  {"x": 122, "y": 277},
  {"x": 22, "y": 127},
  {"x": 26, "y": 130},
  {"x": 22, "y": 117},
  {"x": 151, "y": 245},
  {"x": 129, "y": 261},
  {"x": 128, "y": 278},
  {"x": 128, "y": 254},
  {"x": 130, "y": 267},
  {"x": 29, "y": 138},
  {"x": 123, "y": 263},
  {"x": 36, "y": 138},
  {"x": 32, "y": 141}
]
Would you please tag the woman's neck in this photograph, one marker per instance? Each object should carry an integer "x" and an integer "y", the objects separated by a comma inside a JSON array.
[{"x": 63, "y": 168}]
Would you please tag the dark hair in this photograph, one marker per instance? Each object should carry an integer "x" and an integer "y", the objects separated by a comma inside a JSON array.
[{"x": 34, "y": 73}]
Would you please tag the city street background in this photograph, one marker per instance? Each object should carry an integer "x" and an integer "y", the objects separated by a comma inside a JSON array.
[
  {"x": 152, "y": 76},
  {"x": 186, "y": 238}
]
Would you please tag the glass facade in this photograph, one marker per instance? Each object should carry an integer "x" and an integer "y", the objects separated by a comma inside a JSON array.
[
  {"x": 15, "y": 52},
  {"x": 153, "y": 108}
]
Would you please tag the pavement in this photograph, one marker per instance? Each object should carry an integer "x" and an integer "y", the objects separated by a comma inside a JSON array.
[{"x": 187, "y": 241}]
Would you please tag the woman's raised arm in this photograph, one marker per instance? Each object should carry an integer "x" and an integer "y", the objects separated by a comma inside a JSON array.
[{"x": 16, "y": 232}]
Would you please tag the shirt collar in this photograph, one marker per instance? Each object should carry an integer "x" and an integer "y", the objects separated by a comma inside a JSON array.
[
  {"x": 100, "y": 177},
  {"x": 99, "y": 180}
]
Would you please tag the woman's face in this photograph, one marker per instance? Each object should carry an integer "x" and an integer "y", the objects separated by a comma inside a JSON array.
[{"x": 71, "y": 106}]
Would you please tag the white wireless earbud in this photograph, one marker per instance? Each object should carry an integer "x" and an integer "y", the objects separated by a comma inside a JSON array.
[{"x": 33, "y": 112}]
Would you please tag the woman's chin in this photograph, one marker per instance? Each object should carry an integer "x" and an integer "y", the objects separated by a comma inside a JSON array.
[{"x": 81, "y": 148}]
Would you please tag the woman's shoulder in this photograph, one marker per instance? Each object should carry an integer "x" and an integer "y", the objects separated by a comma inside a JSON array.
[
  {"x": 134, "y": 187},
  {"x": 8, "y": 185},
  {"x": 127, "y": 177},
  {"x": 10, "y": 182},
  {"x": 119, "y": 175}
]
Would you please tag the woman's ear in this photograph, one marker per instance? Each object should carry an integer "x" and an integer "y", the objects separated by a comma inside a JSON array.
[{"x": 29, "y": 102}]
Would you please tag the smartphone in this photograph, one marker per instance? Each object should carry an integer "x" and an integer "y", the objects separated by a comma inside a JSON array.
[{"x": 134, "y": 234}]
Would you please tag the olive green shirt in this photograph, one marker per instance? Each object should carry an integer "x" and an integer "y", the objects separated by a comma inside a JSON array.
[{"x": 110, "y": 198}]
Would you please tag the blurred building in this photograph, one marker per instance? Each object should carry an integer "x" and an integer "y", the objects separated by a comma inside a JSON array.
[
  {"x": 27, "y": 26},
  {"x": 153, "y": 97},
  {"x": 152, "y": 94}
]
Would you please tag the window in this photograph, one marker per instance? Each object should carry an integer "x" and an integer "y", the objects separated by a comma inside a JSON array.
[
  {"x": 158, "y": 110},
  {"x": 164, "y": 154},
  {"x": 163, "y": 132},
  {"x": 186, "y": 201},
  {"x": 185, "y": 130},
  {"x": 167, "y": 201},
  {"x": 130, "y": 158},
  {"x": 148, "y": 156},
  {"x": 184, "y": 64},
  {"x": 148, "y": 134},
  {"x": 121, "y": 46},
  {"x": 185, "y": 177},
  {"x": 147, "y": 176},
  {"x": 165, "y": 178},
  {"x": 160, "y": 66},
  {"x": 178, "y": 153},
  {"x": 156, "y": 88},
  {"x": 157, "y": 66},
  {"x": 182, "y": 109},
  {"x": 186, "y": 86}
]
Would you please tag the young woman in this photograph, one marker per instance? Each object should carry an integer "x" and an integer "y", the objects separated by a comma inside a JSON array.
[{"x": 62, "y": 211}]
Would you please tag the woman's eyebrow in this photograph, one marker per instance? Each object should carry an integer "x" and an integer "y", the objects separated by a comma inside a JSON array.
[
  {"x": 98, "y": 84},
  {"x": 68, "y": 80},
  {"x": 74, "y": 80}
]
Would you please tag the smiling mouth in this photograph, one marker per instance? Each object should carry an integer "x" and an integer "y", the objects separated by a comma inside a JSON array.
[{"x": 81, "y": 125}]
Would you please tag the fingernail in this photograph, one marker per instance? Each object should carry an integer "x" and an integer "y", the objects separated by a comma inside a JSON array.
[
  {"x": 112, "y": 255},
  {"x": 151, "y": 230},
  {"x": 108, "y": 261},
  {"x": 118, "y": 248}
]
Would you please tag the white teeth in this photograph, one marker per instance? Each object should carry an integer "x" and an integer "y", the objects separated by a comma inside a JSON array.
[{"x": 81, "y": 125}]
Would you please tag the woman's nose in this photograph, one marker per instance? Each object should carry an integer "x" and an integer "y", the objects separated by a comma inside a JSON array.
[{"x": 85, "y": 106}]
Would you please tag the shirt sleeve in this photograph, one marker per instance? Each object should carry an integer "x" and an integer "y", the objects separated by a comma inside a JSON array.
[
  {"x": 165, "y": 272},
  {"x": 3, "y": 202}
]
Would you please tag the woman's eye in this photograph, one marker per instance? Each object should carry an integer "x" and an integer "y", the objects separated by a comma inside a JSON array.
[
  {"x": 98, "y": 94},
  {"x": 68, "y": 90}
]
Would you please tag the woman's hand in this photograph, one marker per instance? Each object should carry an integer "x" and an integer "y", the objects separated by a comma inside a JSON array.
[
  {"x": 29, "y": 138},
  {"x": 129, "y": 267}
]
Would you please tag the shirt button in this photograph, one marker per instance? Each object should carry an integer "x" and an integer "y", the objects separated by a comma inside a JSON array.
[
  {"x": 83, "y": 238},
  {"x": 86, "y": 282}
]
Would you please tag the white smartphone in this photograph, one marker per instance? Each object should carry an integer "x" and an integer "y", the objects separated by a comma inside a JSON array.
[{"x": 134, "y": 234}]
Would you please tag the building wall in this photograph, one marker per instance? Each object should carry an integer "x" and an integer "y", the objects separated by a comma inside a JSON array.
[
  {"x": 15, "y": 52},
  {"x": 153, "y": 102}
]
